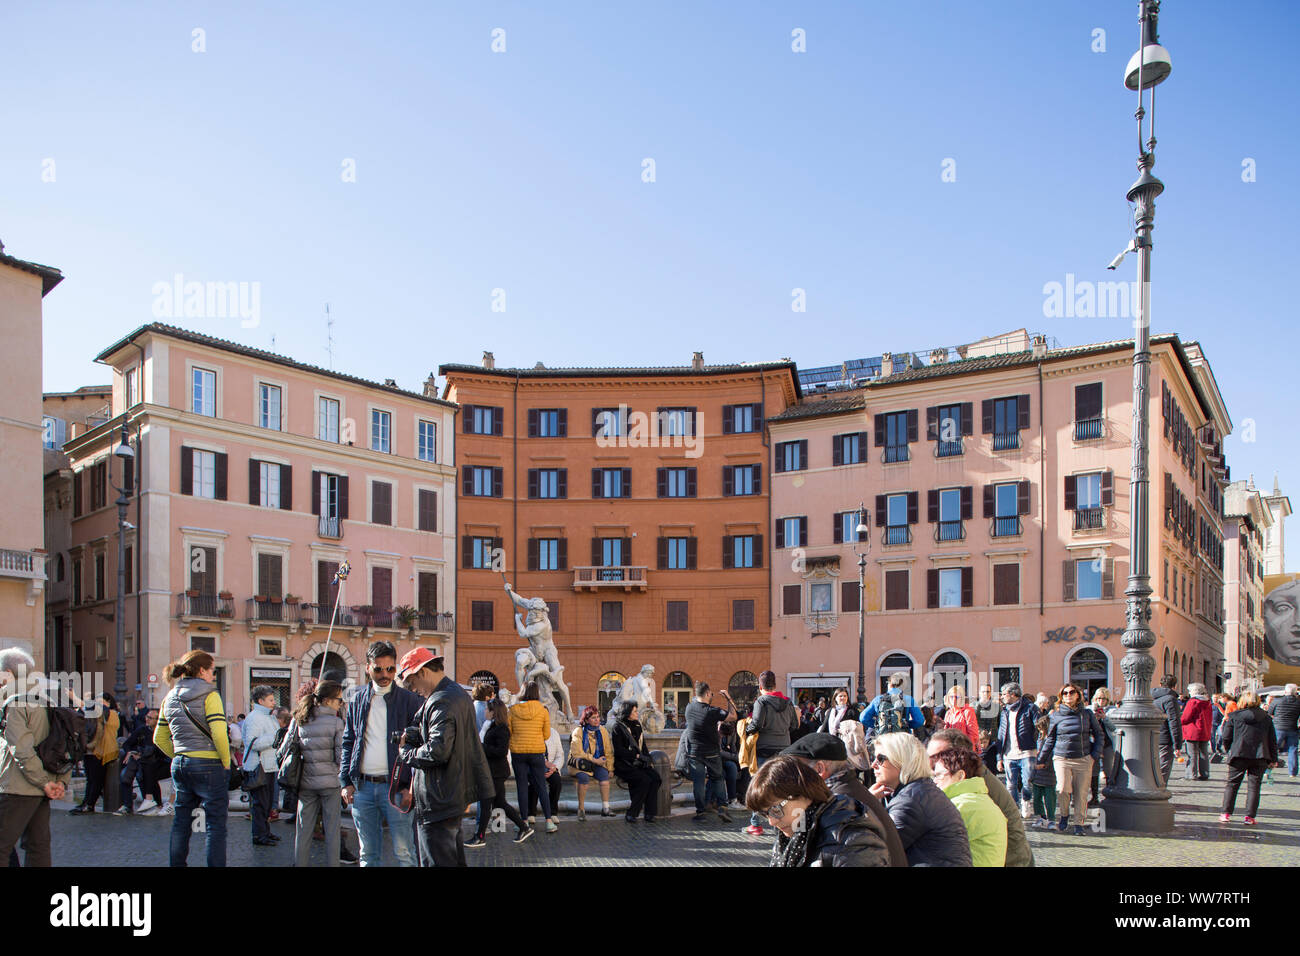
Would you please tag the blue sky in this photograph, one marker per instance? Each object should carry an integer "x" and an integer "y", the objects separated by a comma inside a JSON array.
[{"x": 774, "y": 170}]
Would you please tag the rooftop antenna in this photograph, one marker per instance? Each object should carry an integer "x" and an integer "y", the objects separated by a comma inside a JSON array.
[{"x": 329, "y": 335}]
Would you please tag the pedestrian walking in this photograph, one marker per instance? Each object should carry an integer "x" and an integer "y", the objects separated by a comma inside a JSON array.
[
  {"x": 496, "y": 748},
  {"x": 319, "y": 732},
  {"x": 1285, "y": 711},
  {"x": 370, "y": 770},
  {"x": 1017, "y": 739},
  {"x": 102, "y": 722},
  {"x": 1197, "y": 721},
  {"x": 929, "y": 824},
  {"x": 1042, "y": 780},
  {"x": 959, "y": 715},
  {"x": 988, "y": 709},
  {"x": 708, "y": 777},
  {"x": 632, "y": 763},
  {"x": 259, "y": 731},
  {"x": 893, "y": 711},
  {"x": 775, "y": 720},
  {"x": 957, "y": 773},
  {"x": 530, "y": 726},
  {"x": 1101, "y": 707},
  {"x": 1171, "y": 731},
  {"x": 1251, "y": 743},
  {"x": 591, "y": 757},
  {"x": 192, "y": 731},
  {"x": 1073, "y": 742},
  {"x": 450, "y": 769}
]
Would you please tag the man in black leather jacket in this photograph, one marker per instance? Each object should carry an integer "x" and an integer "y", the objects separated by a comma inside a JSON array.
[
  {"x": 1171, "y": 732},
  {"x": 450, "y": 768}
]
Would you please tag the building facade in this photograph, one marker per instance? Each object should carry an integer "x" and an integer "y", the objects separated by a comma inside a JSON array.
[
  {"x": 1247, "y": 520},
  {"x": 995, "y": 491},
  {"x": 258, "y": 477},
  {"x": 635, "y": 502},
  {"x": 1275, "y": 537},
  {"x": 23, "y": 287}
]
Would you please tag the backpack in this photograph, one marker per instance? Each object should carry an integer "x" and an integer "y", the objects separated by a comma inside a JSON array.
[
  {"x": 891, "y": 715},
  {"x": 65, "y": 745}
]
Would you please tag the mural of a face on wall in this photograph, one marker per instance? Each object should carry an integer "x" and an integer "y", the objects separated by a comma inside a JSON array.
[{"x": 1282, "y": 623}]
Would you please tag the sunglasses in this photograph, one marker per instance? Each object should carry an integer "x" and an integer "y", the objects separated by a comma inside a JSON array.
[
  {"x": 879, "y": 760},
  {"x": 383, "y": 670},
  {"x": 1069, "y": 693}
]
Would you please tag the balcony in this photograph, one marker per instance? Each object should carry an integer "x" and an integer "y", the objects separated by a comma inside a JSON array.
[
  {"x": 949, "y": 531},
  {"x": 1089, "y": 519},
  {"x": 1088, "y": 429},
  {"x": 1006, "y": 527},
  {"x": 609, "y": 578},
  {"x": 26, "y": 566},
  {"x": 948, "y": 449},
  {"x": 1006, "y": 441},
  {"x": 894, "y": 453},
  {"x": 330, "y": 527},
  {"x": 441, "y": 622},
  {"x": 192, "y": 605},
  {"x": 896, "y": 534},
  {"x": 269, "y": 610}
]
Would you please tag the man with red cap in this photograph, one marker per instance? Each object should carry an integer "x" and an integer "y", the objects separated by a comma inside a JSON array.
[{"x": 450, "y": 769}]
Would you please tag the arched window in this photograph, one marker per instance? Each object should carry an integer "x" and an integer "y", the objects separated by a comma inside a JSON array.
[
  {"x": 58, "y": 568},
  {"x": 1166, "y": 670},
  {"x": 892, "y": 664},
  {"x": 950, "y": 670},
  {"x": 607, "y": 689},
  {"x": 485, "y": 677},
  {"x": 335, "y": 667},
  {"x": 677, "y": 694},
  {"x": 1089, "y": 669},
  {"x": 743, "y": 688}
]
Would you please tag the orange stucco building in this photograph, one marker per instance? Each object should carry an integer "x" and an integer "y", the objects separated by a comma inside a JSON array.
[{"x": 635, "y": 502}]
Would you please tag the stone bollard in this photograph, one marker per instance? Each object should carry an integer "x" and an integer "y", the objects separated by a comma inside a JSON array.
[{"x": 659, "y": 760}]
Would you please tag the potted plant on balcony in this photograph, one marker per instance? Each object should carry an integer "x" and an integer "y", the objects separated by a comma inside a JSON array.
[
  {"x": 406, "y": 616},
  {"x": 225, "y": 595},
  {"x": 292, "y": 599}
]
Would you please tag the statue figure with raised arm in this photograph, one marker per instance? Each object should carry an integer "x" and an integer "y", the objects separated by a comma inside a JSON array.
[
  {"x": 539, "y": 661},
  {"x": 641, "y": 689}
]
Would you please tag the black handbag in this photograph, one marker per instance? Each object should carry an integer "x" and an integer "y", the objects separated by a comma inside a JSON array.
[
  {"x": 290, "y": 759},
  {"x": 254, "y": 779}
]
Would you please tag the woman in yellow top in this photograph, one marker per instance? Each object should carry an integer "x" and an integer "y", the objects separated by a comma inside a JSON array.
[
  {"x": 530, "y": 726},
  {"x": 192, "y": 731},
  {"x": 101, "y": 752}
]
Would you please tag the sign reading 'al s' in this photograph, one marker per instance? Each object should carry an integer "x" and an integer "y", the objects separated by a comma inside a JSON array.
[{"x": 1091, "y": 632}]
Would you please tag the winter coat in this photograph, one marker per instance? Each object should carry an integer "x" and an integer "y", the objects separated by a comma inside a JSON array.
[
  {"x": 1072, "y": 733},
  {"x": 322, "y": 749},
  {"x": 848, "y": 785},
  {"x": 1197, "y": 720},
  {"x": 103, "y": 738},
  {"x": 963, "y": 718},
  {"x": 451, "y": 770},
  {"x": 1044, "y": 774},
  {"x": 577, "y": 750},
  {"x": 836, "y": 716},
  {"x": 842, "y": 834},
  {"x": 260, "y": 729},
  {"x": 929, "y": 825},
  {"x": 1171, "y": 731},
  {"x": 496, "y": 747},
  {"x": 987, "y": 714},
  {"x": 1248, "y": 734},
  {"x": 402, "y": 706},
  {"x": 986, "y": 827},
  {"x": 1286, "y": 713},
  {"x": 530, "y": 725},
  {"x": 629, "y": 743},
  {"x": 914, "y": 716},
  {"x": 1025, "y": 715},
  {"x": 775, "y": 719},
  {"x": 1018, "y": 851},
  {"x": 192, "y": 722},
  {"x": 26, "y": 724}
]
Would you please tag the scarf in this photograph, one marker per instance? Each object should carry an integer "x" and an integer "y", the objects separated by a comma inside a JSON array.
[
  {"x": 599, "y": 750},
  {"x": 837, "y": 714},
  {"x": 791, "y": 851}
]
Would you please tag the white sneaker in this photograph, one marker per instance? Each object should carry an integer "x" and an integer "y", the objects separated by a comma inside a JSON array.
[{"x": 148, "y": 805}]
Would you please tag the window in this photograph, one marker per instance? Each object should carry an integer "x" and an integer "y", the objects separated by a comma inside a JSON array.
[
  {"x": 547, "y": 483},
  {"x": 204, "y": 475},
  {"x": 1003, "y": 418},
  {"x": 76, "y": 582},
  {"x": 674, "y": 554},
  {"x": 742, "y": 551},
  {"x": 99, "y": 577},
  {"x": 98, "y": 485},
  {"x": 846, "y": 526},
  {"x": 1007, "y": 502},
  {"x": 329, "y": 495},
  {"x": 820, "y": 597},
  {"x": 949, "y": 587},
  {"x": 1087, "y": 412},
  {"x": 481, "y": 481},
  {"x": 426, "y": 593},
  {"x": 548, "y": 555},
  {"x": 203, "y": 572},
  {"x": 1086, "y": 495},
  {"x": 427, "y": 506},
  {"x": 268, "y": 484},
  {"x": 897, "y": 513},
  {"x": 949, "y": 506},
  {"x": 946, "y": 424},
  {"x": 612, "y": 552},
  {"x": 480, "y": 615},
  {"x": 792, "y": 599},
  {"x": 677, "y": 617},
  {"x": 742, "y": 615},
  {"x": 611, "y": 615},
  {"x": 204, "y": 396},
  {"x": 482, "y": 419},
  {"x": 741, "y": 480},
  {"x": 478, "y": 552},
  {"x": 611, "y": 482},
  {"x": 60, "y": 568},
  {"x": 54, "y": 431},
  {"x": 548, "y": 422},
  {"x": 894, "y": 431},
  {"x": 1087, "y": 580},
  {"x": 676, "y": 483},
  {"x": 792, "y": 532},
  {"x": 268, "y": 406},
  {"x": 850, "y": 597},
  {"x": 1091, "y": 579},
  {"x": 381, "y": 502},
  {"x": 1006, "y": 584},
  {"x": 270, "y": 576},
  {"x": 381, "y": 431},
  {"x": 132, "y": 380},
  {"x": 849, "y": 449},
  {"x": 675, "y": 421},
  {"x": 742, "y": 419},
  {"x": 792, "y": 455},
  {"x": 101, "y": 648},
  {"x": 327, "y": 420},
  {"x": 609, "y": 422},
  {"x": 426, "y": 444}
]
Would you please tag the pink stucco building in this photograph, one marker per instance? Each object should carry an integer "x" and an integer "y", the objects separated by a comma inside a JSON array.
[
  {"x": 259, "y": 475},
  {"x": 995, "y": 485}
]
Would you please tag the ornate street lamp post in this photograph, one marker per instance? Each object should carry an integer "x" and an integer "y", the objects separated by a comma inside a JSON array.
[
  {"x": 124, "y": 454},
  {"x": 1137, "y": 798},
  {"x": 863, "y": 534}
]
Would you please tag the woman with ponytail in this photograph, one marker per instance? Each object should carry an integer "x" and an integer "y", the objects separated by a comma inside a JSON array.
[
  {"x": 319, "y": 729},
  {"x": 192, "y": 732}
]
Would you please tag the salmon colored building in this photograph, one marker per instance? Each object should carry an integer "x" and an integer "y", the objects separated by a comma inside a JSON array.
[
  {"x": 635, "y": 502},
  {"x": 994, "y": 482},
  {"x": 258, "y": 476}
]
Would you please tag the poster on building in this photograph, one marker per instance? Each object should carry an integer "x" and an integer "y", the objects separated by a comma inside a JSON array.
[{"x": 1281, "y": 614}]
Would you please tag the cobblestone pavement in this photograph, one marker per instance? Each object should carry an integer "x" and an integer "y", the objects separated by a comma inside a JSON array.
[{"x": 1199, "y": 839}]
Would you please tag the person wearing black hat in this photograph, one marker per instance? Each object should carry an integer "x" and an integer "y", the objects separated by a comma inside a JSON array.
[
  {"x": 826, "y": 754},
  {"x": 451, "y": 770}
]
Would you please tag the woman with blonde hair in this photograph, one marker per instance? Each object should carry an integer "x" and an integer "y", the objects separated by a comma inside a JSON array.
[
  {"x": 928, "y": 823},
  {"x": 959, "y": 715}
]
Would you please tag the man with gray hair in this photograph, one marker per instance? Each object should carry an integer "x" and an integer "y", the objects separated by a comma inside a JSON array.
[
  {"x": 26, "y": 787},
  {"x": 1017, "y": 740},
  {"x": 1285, "y": 711},
  {"x": 260, "y": 728}
]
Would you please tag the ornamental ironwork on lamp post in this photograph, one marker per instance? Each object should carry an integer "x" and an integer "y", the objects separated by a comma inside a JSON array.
[{"x": 1137, "y": 799}]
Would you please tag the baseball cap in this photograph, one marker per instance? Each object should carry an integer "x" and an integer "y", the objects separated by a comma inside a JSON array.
[
  {"x": 413, "y": 660},
  {"x": 817, "y": 746}
]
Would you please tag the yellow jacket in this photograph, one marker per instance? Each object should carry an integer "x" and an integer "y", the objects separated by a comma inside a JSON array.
[
  {"x": 530, "y": 726},
  {"x": 747, "y": 756},
  {"x": 577, "y": 750},
  {"x": 104, "y": 744}
]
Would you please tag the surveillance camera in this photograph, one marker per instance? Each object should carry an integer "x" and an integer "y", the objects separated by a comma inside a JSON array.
[
  {"x": 1114, "y": 263},
  {"x": 127, "y": 526}
]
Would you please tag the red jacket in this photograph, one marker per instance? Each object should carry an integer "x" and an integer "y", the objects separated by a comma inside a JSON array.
[
  {"x": 964, "y": 719},
  {"x": 1197, "y": 717}
]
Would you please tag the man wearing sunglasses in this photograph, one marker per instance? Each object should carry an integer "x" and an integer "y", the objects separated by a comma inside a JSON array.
[{"x": 369, "y": 755}]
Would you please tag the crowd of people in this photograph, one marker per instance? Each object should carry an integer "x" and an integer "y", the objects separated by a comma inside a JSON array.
[{"x": 886, "y": 783}]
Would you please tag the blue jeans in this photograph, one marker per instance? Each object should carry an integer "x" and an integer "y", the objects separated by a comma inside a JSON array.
[
  {"x": 530, "y": 778},
  {"x": 370, "y": 807},
  {"x": 199, "y": 780},
  {"x": 702, "y": 782},
  {"x": 1019, "y": 773},
  {"x": 1287, "y": 742},
  {"x": 732, "y": 773},
  {"x": 757, "y": 819}
]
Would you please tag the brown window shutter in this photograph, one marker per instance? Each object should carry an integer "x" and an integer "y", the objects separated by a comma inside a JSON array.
[
  {"x": 497, "y": 484},
  {"x": 967, "y": 504},
  {"x": 222, "y": 464},
  {"x": 562, "y": 424},
  {"x": 315, "y": 492},
  {"x": 1022, "y": 411},
  {"x": 1022, "y": 497},
  {"x": 1071, "y": 493},
  {"x": 661, "y": 482},
  {"x": 989, "y": 501},
  {"x": 880, "y": 431},
  {"x": 803, "y": 454},
  {"x": 791, "y": 599},
  {"x": 1067, "y": 579},
  {"x": 427, "y": 599},
  {"x": 467, "y": 418},
  {"x": 498, "y": 416},
  {"x": 849, "y": 595},
  {"x": 692, "y": 486},
  {"x": 758, "y": 478},
  {"x": 466, "y": 551},
  {"x": 596, "y": 486},
  {"x": 911, "y": 425},
  {"x": 1006, "y": 584},
  {"x": 780, "y": 533},
  {"x": 967, "y": 418},
  {"x": 882, "y": 512},
  {"x": 932, "y": 423},
  {"x": 932, "y": 506},
  {"x": 728, "y": 553},
  {"x": 532, "y": 483},
  {"x": 728, "y": 419},
  {"x": 912, "y": 499},
  {"x": 837, "y": 449},
  {"x": 837, "y": 528},
  {"x": 932, "y": 587},
  {"x": 533, "y": 416},
  {"x": 562, "y": 483},
  {"x": 286, "y": 487},
  {"x": 692, "y": 553},
  {"x": 758, "y": 550},
  {"x": 627, "y": 482},
  {"x": 661, "y": 553},
  {"x": 627, "y": 551},
  {"x": 986, "y": 416},
  {"x": 803, "y": 532},
  {"x": 562, "y": 554},
  {"x": 1107, "y": 488},
  {"x": 466, "y": 480},
  {"x": 187, "y": 471},
  {"x": 77, "y": 486},
  {"x": 897, "y": 590},
  {"x": 596, "y": 552},
  {"x": 1108, "y": 579},
  {"x": 967, "y": 587},
  {"x": 728, "y": 480},
  {"x": 254, "y": 482},
  {"x": 532, "y": 554},
  {"x": 343, "y": 497}
]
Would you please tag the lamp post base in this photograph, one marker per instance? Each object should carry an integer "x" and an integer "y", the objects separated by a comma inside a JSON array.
[{"x": 1137, "y": 799}]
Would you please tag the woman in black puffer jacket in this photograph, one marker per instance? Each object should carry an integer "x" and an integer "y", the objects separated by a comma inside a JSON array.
[
  {"x": 1248, "y": 736},
  {"x": 929, "y": 824},
  {"x": 318, "y": 728},
  {"x": 496, "y": 747},
  {"x": 814, "y": 826},
  {"x": 1073, "y": 743}
]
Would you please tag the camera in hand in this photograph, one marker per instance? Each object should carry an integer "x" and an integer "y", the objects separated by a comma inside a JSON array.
[{"x": 410, "y": 737}]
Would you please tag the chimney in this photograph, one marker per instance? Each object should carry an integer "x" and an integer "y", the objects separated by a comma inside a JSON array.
[
  {"x": 390, "y": 383},
  {"x": 431, "y": 386},
  {"x": 886, "y": 364},
  {"x": 938, "y": 356},
  {"x": 1040, "y": 346},
  {"x": 697, "y": 362},
  {"x": 539, "y": 367},
  {"x": 489, "y": 360},
  {"x": 963, "y": 351}
]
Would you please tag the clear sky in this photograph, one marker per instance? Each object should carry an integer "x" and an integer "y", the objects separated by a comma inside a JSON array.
[{"x": 523, "y": 171}]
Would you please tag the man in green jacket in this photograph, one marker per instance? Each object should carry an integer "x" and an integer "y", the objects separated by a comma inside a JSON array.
[
  {"x": 26, "y": 788},
  {"x": 1018, "y": 851}
]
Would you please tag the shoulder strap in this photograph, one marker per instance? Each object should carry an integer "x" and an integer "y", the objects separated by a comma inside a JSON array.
[{"x": 197, "y": 726}]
